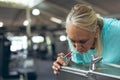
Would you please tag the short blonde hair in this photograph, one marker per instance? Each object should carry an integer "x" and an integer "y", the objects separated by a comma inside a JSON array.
[{"x": 85, "y": 16}]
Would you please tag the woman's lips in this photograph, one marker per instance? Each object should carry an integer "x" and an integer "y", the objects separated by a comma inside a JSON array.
[{"x": 82, "y": 51}]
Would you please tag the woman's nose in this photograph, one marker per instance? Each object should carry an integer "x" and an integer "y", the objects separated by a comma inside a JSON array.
[{"x": 77, "y": 46}]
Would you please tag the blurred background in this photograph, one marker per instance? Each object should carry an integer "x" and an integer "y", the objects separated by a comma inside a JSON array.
[{"x": 32, "y": 33}]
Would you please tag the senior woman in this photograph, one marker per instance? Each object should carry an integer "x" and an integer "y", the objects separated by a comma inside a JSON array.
[{"x": 89, "y": 35}]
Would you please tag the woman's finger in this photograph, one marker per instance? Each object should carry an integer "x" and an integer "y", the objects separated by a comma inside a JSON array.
[
  {"x": 61, "y": 54},
  {"x": 56, "y": 66}
]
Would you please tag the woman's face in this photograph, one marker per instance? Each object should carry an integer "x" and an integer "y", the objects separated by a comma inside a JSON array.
[{"x": 81, "y": 39}]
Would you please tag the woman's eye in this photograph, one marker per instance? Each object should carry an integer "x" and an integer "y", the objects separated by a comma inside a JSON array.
[
  {"x": 82, "y": 41},
  {"x": 72, "y": 41}
]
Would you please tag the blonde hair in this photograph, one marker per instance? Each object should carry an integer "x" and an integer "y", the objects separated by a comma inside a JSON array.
[{"x": 86, "y": 17}]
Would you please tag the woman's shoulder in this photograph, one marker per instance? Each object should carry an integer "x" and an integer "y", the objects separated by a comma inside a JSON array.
[
  {"x": 110, "y": 30},
  {"x": 111, "y": 22},
  {"x": 111, "y": 25}
]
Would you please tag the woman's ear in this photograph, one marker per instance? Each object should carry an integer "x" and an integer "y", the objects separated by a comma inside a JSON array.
[{"x": 97, "y": 31}]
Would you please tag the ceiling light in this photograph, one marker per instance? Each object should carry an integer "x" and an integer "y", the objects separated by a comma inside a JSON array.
[
  {"x": 56, "y": 20},
  {"x": 26, "y": 22},
  {"x": 1, "y": 24},
  {"x": 35, "y": 12},
  {"x": 25, "y": 3},
  {"x": 63, "y": 38}
]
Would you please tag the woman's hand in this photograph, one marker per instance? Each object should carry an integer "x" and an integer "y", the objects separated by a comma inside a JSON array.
[{"x": 58, "y": 63}]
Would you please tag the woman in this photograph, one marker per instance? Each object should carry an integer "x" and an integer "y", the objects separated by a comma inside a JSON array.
[{"x": 89, "y": 35}]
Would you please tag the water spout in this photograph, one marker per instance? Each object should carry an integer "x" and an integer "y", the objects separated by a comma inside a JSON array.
[{"x": 94, "y": 60}]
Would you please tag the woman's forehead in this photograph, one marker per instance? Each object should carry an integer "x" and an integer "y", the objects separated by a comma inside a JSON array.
[{"x": 75, "y": 31}]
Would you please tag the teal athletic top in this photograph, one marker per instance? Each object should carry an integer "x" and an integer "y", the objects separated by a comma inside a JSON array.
[{"x": 110, "y": 38}]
